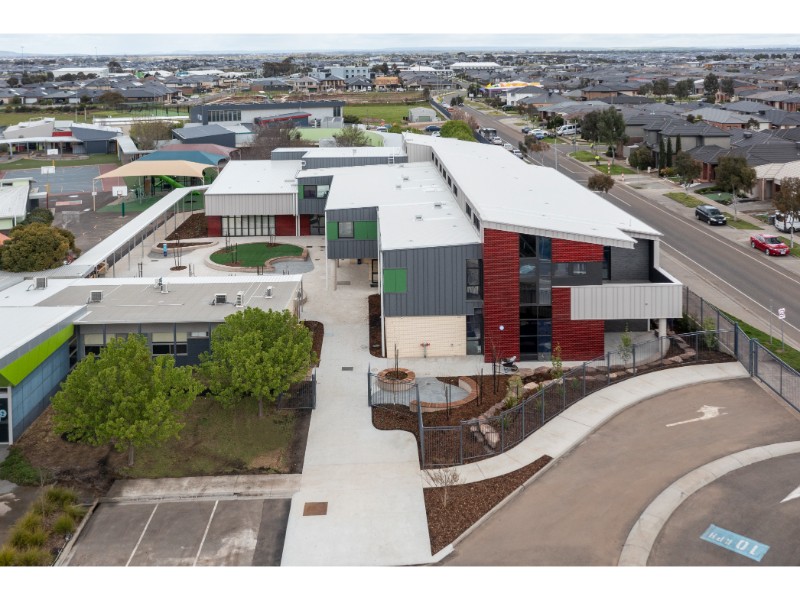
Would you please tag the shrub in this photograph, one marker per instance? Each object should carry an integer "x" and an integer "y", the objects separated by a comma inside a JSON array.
[
  {"x": 64, "y": 524},
  {"x": 16, "y": 469},
  {"x": 74, "y": 511},
  {"x": 8, "y": 556},
  {"x": 61, "y": 497},
  {"x": 23, "y": 539},
  {"x": 34, "y": 557}
]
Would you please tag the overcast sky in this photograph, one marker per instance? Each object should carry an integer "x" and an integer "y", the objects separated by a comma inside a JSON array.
[{"x": 158, "y": 27}]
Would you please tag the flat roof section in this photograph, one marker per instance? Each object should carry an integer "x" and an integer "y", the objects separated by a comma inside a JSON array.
[
  {"x": 24, "y": 328},
  {"x": 186, "y": 300},
  {"x": 256, "y": 177},
  {"x": 428, "y": 225}
]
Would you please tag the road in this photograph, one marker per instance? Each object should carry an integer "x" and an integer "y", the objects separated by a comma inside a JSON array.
[{"x": 722, "y": 260}]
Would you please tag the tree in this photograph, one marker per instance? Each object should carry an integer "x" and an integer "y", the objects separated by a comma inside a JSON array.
[
  {"x": 555, "y": 121},
  {"x": 726, "y": 86},
  {"x": 611, "y": 129},
  {"x": 787, "y": 200},
  {"x": 669, "y": 152},
  {"x": 111, "y": 99},
  {"x": 645, "y": 89},
  {"x": 258, "y": 355},
  {"x": 38, "y": 215},
  {"x": 590, "y": 126},
  {"x": 12, "y": 81},
  {"x": 662, "y": 154},
  {"x": 600, "y": 182},
  {"x": 426, "y": 94},
  {"x": 459, "y": 130},
  {"x": 711, "y": 86},
  {"x": 36, "y": 247},
  {"x": 534, "y": 144},
  {"x": 459, "y": 114},
  {"x": 114, "y": 67},
  {"x": 683, "y": 89},
  {"x": 125, "y": 397},
  {"x": 686, "y": 168},
  {"x": 661, "y": 87},
  {"x": 269, "y": 137},
  {"x": 678, "y": 144},
  {"x": 147, "y": 133},
  {"x": 641, "y": 158},
  {"x": 350, "y": 137},
  {"x": 734, "y": 174}
]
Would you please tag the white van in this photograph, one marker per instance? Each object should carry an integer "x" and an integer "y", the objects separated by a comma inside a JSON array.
[
  {"x": 572, "y": 129},
  {"x": 787, "y": 222}
]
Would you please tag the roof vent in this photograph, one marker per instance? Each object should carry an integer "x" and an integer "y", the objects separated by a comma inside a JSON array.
[
  {"x": 437, "y": 205},
  {"x": 40, "y": 283},
  {"x": 96, "y": 296},
  {"x": 418, "y": 217},
  {"x": 220, "y": 299},
  {"x": 405, "y": 177}
]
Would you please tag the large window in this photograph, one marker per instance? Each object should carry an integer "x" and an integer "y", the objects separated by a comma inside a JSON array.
[
  {"x": 535, "y": 296},
  {"x": 248, "y": 225},
  {"x": 224, "y": 115},
  {"x": 346, "y": 229},
  {"x": 474, "y": 288},
  {"x": 316, "y": 191},
  {"x": 317, "y": 225}
]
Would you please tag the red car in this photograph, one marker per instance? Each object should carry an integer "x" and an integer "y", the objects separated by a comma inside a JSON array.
[{"x": 769, "y": 244}]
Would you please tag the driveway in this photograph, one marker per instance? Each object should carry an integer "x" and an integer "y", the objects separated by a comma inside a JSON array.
[{"x": 580, "y": 511}]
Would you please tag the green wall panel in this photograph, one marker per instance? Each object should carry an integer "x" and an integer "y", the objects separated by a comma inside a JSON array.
[
  {"x": 395, "y": 280},
  {"x": 332, "y": 227},
  {"x": 365, "y": 230},
  {"x": 24, "y": 365}
]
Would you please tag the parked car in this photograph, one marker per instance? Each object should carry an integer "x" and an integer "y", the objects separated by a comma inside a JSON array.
[
  {"x": 517, "y": 153},
  {"x": 710, "y": 214},
  {"x": 498, "y": 141},
  {"x": 539, "y": 134},
  {"x": 571, "y": 129},
  {"x": 527, "y": 129},
  {"x": 508, "y": 147},
  {"x": 432, "y": 128},
  {"x": 769, "y": 244},
  {"x": 787, "y": 222}
]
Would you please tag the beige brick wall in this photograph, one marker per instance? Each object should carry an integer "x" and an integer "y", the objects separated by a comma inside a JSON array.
[{"x": 447, "y": 336}]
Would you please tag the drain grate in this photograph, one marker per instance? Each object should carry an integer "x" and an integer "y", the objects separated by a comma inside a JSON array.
[
  {"x": 347, "y": 368},
  {"x": 315, "y": 509},
  {"x": 342, "y": 283}
]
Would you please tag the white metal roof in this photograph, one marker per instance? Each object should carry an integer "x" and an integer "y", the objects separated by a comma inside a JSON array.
[
  {"x": 358, "y": 152},
  {"x": 425, "y": 225},
  {"x": 22, "y": 325},
  {"x": 256, "y": 177},
  {"x": 13, "y": 201},
  {"x": 511, "y": 195}
]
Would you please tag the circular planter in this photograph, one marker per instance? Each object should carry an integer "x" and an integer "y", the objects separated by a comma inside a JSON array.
[{"x": 388, "y": 380}]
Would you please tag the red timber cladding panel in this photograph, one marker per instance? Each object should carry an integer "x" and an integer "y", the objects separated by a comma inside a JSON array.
[
  {"x": 579, "y": 340},
  {"x": 305, "y": 224},
  {"x": 500, "y": 293},
  {"x": 214, "y": 226},
  {"x": 284, "y": 225},
  {"x": 568, "y": 251}
]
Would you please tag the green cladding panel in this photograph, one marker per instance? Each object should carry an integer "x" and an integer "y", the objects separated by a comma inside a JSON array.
[
  {"x": 24, "y": 365},
  {"x": 332, "y": 227},
  {"x": 394, "y": 280},
  {"x": 365, "y": 230}
]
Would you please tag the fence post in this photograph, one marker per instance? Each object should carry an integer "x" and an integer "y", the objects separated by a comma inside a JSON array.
[
  {"x": 524, "y": 402},
  {"x": 753, "y": 358},
  {"x": 314, "y": 389},
  {"x": 697, "y": 344},
  {"x": 563, "y": 393},
  {"x": 736, "y": 341},
  {"x": 421, "y": 426},
  {"x": 608, "y": 368},
  {"x": 702, "y": 306},
  {"x": 583, "y": 392},
  {"x": 369, "y": 387},
  {"x": 633, "y": 354},
  {"x": 503, "y": 432}
]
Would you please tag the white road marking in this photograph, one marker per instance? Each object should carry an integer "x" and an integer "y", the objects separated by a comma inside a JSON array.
[
  {"x": 146, "y": 525},
  {"x": 205, "y": 533},
  {"x": 792, "y": 496},
  {"x": 709, "y": 412}
]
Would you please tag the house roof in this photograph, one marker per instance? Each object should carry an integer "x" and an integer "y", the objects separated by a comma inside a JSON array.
[
  {"x": 13, "y": 201},
  {"x": 778, "y": 172}
]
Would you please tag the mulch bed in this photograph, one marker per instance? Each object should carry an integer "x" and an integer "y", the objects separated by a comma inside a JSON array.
[
  {"x": 193, "y": 227},
  {"x": 318, "y": 331},
  {"x": 375, "y": 325},
  {"x": 466, "y": 504}
]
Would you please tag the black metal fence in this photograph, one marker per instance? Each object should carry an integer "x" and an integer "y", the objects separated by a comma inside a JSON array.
[{"x": 302, "y": 395}]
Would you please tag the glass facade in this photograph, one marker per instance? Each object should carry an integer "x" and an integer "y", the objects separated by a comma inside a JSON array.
[
  {"x": 224, "y": 115},
  {"x": 535, "y": 297},
  {"x": 248, "y": 225}
]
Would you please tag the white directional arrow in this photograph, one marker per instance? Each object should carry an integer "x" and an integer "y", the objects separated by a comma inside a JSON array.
[
  {"x": 792, "y": 496},
  {"x": 709, "y": 412}
]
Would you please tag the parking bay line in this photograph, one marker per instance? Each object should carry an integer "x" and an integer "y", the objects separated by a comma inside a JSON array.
[
  {"x": 205, "y": 533},
  {"x": 141, "y": 537}
]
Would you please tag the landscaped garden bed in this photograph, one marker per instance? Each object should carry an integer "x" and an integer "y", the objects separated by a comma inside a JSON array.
[{"x": 256, "y": 254}]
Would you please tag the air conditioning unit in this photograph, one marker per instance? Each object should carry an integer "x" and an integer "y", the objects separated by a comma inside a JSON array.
[
  {"x": 164, "y": 289},
  {"x": 240, "y": 298},
  {"x": 40, "y": 283},
  {"x": 220, "y": 298},
  {"x": 269, "y": 292},
  {"x": 96, "y": 296}
]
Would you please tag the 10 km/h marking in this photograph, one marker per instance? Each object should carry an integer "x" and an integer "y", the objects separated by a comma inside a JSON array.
[{"x": 709, "y": 412}]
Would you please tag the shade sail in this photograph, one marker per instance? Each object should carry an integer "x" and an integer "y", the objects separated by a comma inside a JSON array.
[{"x": 139, "y": 168}]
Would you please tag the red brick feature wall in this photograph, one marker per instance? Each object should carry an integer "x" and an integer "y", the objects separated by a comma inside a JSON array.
[
  {"x": 214, "y": 226},
  {"x": 579, "y": 340},
  {"x": 567, "y": 251},
  {"x": 284, "y": 225},
  {"x": 305, "y": 224},
  {"x": 500, "y": 293}
]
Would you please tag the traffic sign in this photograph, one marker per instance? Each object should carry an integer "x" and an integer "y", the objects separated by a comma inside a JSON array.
[{"x": 781, "y": 313}]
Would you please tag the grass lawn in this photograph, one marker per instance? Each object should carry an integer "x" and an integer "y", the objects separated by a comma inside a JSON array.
[
  {"x": 255, "y": 254},
  {"x": 685, "y": 199},
  {"x": 13, "y": 118},
  {"x": 316, "y": 134},
  {"x": 583, "y": 155},
  {"x": 739, "y": 224},
  {"x": 723, "y": 197},
  {"x": 375, "y": 113},
  {"x": 220, "y": 440},
  {"x": 92, "y": 159},
  {"x": 615, "y": 170},
  {"x": 789, "y": 355}
]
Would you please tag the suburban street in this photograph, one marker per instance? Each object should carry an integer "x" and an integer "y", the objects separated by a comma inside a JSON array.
[{"x": 715, "y": 262}]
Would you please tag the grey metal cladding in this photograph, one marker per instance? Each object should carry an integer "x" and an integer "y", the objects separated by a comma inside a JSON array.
[
  {"x": 293, "y": 154},
  {"x": 436, "y": 281},
  {"x": 351, "y": 248},
  {"x": 311, "y": 206},
  {"x": 369, "y": 213},
  {"x": 326, "y": 162},
  {"x": 314, "y": 180},
  {"x": 633, "y": 264}
]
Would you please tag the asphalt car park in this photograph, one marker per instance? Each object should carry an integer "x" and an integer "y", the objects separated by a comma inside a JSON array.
[{"x": 230, "y": 532}]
